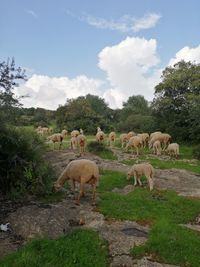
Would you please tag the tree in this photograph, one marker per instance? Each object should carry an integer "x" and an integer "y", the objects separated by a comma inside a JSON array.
[{"x": 175, "y": 99}]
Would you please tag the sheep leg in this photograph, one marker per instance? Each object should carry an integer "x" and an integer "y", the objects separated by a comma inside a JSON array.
[
  {"x": 150, "y": 180},
  {"x": 93, "y": 193},
  {"x": 135, "y": 179},
  {"x": 80, "y": 193},
  {"x": 140, "y": 183}
]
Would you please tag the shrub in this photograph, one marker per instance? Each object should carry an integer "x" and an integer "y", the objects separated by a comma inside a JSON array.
[
  {"x": 196, "y": 152},
  {"x": 101, "y": 150},
  {"x": 22, "y": 167}
]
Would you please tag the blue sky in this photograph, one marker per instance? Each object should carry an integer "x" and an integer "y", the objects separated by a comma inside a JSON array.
[{"x": 62, "y": 44}]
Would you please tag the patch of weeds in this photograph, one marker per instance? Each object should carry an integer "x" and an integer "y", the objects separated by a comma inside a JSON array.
[
  {"x": 101, "y": 150},
  {"x": 79, "y": 248}
]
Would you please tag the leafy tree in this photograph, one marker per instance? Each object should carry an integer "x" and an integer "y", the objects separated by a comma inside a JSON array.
[{"x": 176, "y": 102}]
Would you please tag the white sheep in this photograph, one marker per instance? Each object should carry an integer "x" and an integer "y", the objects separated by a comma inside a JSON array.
[
  {"x": 130, "y": 134},
  {"x": 81, "y": 141},
  {"x": 123, "y": 139},
  {"x": 73, "y": 143},
  {"x": 100, "y": 136},
  {"x": 64, "y": 132},
  {"x": 139, "y": 170},
  {"x": 145, "y": 138},
  {"x": 83, "y": 171},
  {"x": 98, "y": 129},
  {"x": 154, "y": 133},
  {"x": 157, "y": 148},
  {"x": 81, "y": 131},
  {"x": 111, "y": 138},
  {"x": 134, "y": 142},
  {"x": 173, "y": 149},
  {"x": 56, "y": 138},
  {"x": 162, "y": 137}
]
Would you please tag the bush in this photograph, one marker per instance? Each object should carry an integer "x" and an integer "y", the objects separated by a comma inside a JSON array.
[
  {"x": 196, "y": 152},
  {"x": 101, "y": 150},
  {"x": 22, "y": 167}
]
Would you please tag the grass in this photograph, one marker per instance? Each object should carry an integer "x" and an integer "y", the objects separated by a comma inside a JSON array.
[
  {"x": 79, "y": 248},
  {"x": 101, "y": 150},
  {"x": 168, "y": 241}
]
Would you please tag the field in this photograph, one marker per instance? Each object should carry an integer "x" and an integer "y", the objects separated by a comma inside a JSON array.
[{"x": 129, "y": 225}]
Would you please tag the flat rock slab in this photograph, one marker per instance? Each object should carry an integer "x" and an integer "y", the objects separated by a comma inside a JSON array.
[{"x": 147, "y": 263}]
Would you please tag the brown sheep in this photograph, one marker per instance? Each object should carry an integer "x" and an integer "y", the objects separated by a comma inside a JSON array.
[
  {"x": 83, "y": 171},
  {"x": 123, "y": 139},
  {"x": 100, "y": 136},
  {"x": 134, "y": 142},
  {"x": 162, "y": 137},
  {"x": 81, "y": 141},
  {"x": 145, "y": 138},
  {"x": 111, "y": 138},
  {"x": 130, "y": 134},
  {"x": 157, "y": 148},
  {"x": 173, "y": 149},
  {"x": 139, "y": 170}
]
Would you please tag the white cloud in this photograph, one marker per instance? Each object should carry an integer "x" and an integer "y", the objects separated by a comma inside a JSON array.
[
  {"x": 49, "y": 92},
  {"x": 124, "y": 24},
  {"x": 187, "y": 54},
  {"x": 130, "y": 67},
  {"x": 32, "y": 13}
]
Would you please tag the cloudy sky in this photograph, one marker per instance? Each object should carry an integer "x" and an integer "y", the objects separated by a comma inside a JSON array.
[{"x": 109, "y": 48}]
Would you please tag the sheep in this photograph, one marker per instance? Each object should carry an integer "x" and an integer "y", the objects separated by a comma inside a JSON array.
[
  {"x": 152, "y": 134},
  {"x": 123, "y": 139},
  {"x": 134, "y": 142},
  {"x": 81, "y": 131},
  {"x": 58, "y": 137},
  {"x": 75, "y": 133},
  {"x": 111, "y": 138},
  {"x": 131, "y": 134},
  {"x": 139, "y": 170},
  {"x": 83, "y": 171},
  {"x": 157, "y": 148},
  {"x": 42, "y": 130},
  {"x": 64, "y": 133},
  {"x": 100, "y": 136},
  {"x": 98, "y": 129},
  {"x": 173, "y": 149},
  {"x": 145, "y": 138},
  {"x": 162, "y": 137},
  {"x": 81, "y": 141},
  {"x": 73, "y": 142}
]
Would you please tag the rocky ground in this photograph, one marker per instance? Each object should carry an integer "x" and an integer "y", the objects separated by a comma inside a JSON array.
[{"x": 34, "y": 219}]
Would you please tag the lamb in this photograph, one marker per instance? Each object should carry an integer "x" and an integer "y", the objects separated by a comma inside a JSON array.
[
  {"x": 83, "y": 171},
  {"x": 157, "y": 148},
  {"x": 134, "y": 142},
  {"x": 100, "y": 136},
  {"x": 123, "y": 139},
  {"x": 139, "y": 170},
  {"x": 73, "y": 143},
  {"x": 111, "y": 138},
  {"x": 58, "y": 137},
  {"x": 173, "y": 149},
  {"x": 81, "y": 141},
  {"x": 75, "y": 133}
]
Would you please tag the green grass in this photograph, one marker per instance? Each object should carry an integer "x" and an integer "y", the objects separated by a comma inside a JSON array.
[
  {"x": 168, "y": 241},
  {"x": 101, "y": 150},
  {"x": 169, "y": 164},
  {"x": 81, "y": 248}
]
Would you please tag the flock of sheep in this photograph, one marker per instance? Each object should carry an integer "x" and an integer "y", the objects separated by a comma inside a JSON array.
[{"x": 86, "y": 171}]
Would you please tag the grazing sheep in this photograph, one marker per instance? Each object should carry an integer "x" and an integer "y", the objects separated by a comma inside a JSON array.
[
  {"x": 134, "y": 142},
  {"x": 83, "y": 171},
  {"x": 55, "y": 138},
  {"x": 152, "y": 134},
  {"x": 173, "y": 149},
  {"x": 139, "y": 170},
  {"x": 157, "y": 148},
  {"x": 81, "y": 141},
  {"x": 111, "y": 138},
  {"x": 75, "y": 133},
  {"x": 145, "y": 138},
  {"x": 162, "y": 137},
  {"x": 123, "y": 139},
  {"x": 73, "y": 143},
  {"x": 100, "y": 136},
  {"x": 131, "y": 134}
]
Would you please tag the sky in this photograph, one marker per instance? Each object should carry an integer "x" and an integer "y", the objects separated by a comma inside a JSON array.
[{"x": 110, "y": 48}]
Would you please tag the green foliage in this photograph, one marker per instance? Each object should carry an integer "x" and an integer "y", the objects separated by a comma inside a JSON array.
[
  {"x": 176, "y": 106},
  {"x": 79, "y": 248},
  {"x": 101, "y": 150},
  {"x": 196, "y": 152},
  {"x": 22, "y": 167}
]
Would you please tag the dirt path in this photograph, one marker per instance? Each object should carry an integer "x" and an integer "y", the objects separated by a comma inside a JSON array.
[{"x": 54, "y": 220}]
